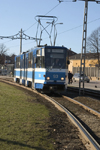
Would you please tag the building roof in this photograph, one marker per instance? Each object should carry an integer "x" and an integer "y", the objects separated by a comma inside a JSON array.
[
  {"x": 87, "y": 56},
  {"x": 71, "y": 53}
]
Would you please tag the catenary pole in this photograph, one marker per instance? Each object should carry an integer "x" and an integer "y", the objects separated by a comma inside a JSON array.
[
  {"x": 21, "y": 35},
  {"x": 21, "y": 41},
  {"x": 83, "y": 51}
]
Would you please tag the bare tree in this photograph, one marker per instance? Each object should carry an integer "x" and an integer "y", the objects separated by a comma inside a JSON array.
[
  {"x": 3, "y": 53},
  {"x": 3, "y": 49},
  {"x": 93, "y": 45}
]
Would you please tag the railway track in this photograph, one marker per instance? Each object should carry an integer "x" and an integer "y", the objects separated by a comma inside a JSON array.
[
  {"x": 86, "y": 132},
  {"x": 87, "y": 116},
  {"x": 90, "y": 92},
  {"x": 87, "y": 120}
]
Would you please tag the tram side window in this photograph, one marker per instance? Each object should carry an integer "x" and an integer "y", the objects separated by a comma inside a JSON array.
[
  {"x": 22, "y": 62},
  {"x": 18, "y": 62},
  {"x": 38, "y": 62},
  {"x": 26, "y": 61},
  {"x": 30, "y": 56},
  {"x": 42, "y": 62}
]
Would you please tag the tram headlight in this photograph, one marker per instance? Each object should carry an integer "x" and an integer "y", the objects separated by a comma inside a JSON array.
[
  {"x": 48, "y": 78},
  {"x": 62, "y": 78}
]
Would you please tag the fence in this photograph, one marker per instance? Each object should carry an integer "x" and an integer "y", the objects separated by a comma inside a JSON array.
[{"x": 89, "y": 71}]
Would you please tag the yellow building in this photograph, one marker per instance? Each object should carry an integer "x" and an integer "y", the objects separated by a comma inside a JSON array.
[{"x": 91, "y": 64}]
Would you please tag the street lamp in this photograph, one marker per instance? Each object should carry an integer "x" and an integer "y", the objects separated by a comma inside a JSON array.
[{"x": 55, "y": 32}]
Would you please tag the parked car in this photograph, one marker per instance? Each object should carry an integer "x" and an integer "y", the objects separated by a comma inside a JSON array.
[{"x": 76, "y": 77}]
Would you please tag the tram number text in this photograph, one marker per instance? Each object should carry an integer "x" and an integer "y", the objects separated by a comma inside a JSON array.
[{"x": 55, "y": 76}]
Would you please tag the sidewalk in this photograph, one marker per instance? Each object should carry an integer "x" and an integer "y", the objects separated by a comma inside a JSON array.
[
  {"x": 94, "y": 85},
  {"x": 6, "y": 76}
]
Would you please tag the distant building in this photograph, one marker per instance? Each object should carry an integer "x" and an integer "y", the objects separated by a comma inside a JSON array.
[
  {"x": 7, "y": 65},
  {"x": 10, "y": 69},
  {"x": 91, "y": 63},
  {"x": 71, "y": 53},
  {"x": 7, "y": 70},
  {"x": 10, "y": 59}
]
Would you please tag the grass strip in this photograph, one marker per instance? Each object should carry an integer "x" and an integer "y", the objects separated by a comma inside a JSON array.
[{"x": 23, "y": 121}]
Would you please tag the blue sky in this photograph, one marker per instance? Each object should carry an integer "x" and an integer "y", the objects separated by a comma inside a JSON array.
[{"x": 17, "y": 14}]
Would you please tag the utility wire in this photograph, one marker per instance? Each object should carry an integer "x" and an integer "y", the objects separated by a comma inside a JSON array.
[
  {"x": 79, "y": 26},
  {"x": 75, "y": 27},
  {"x": 52, "y": 9},
  {"x": 36, "y": 22},
  {"x": 64, "y": 1},
  {"x": 8, "y": 41},
  {"x": 30, "y": 27},
  {"x": 62, "y": 32},
  {"x": 23, "y": 44},
  {"x": 45, "y": 14},
  {"x": 81, "y": 0}
]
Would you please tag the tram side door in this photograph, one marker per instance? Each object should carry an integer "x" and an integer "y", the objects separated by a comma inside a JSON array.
[
  {"x": 34, "y": 62},
  {"x": 26, "y": 65},
  {"x": 21, "y": 61}
]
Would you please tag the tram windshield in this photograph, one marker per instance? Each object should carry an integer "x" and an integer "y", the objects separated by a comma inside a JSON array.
[{"x": 55, "y": 59}]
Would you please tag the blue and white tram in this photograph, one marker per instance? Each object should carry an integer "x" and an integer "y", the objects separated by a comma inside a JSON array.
[{"x": 43, "y": 68}]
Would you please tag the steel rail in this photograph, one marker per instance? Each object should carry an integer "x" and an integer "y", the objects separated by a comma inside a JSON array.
[
  {"x": 87, "y": 91},
  {"x": 84, "y": 106},
  {"x": 83, "y": 131}
]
